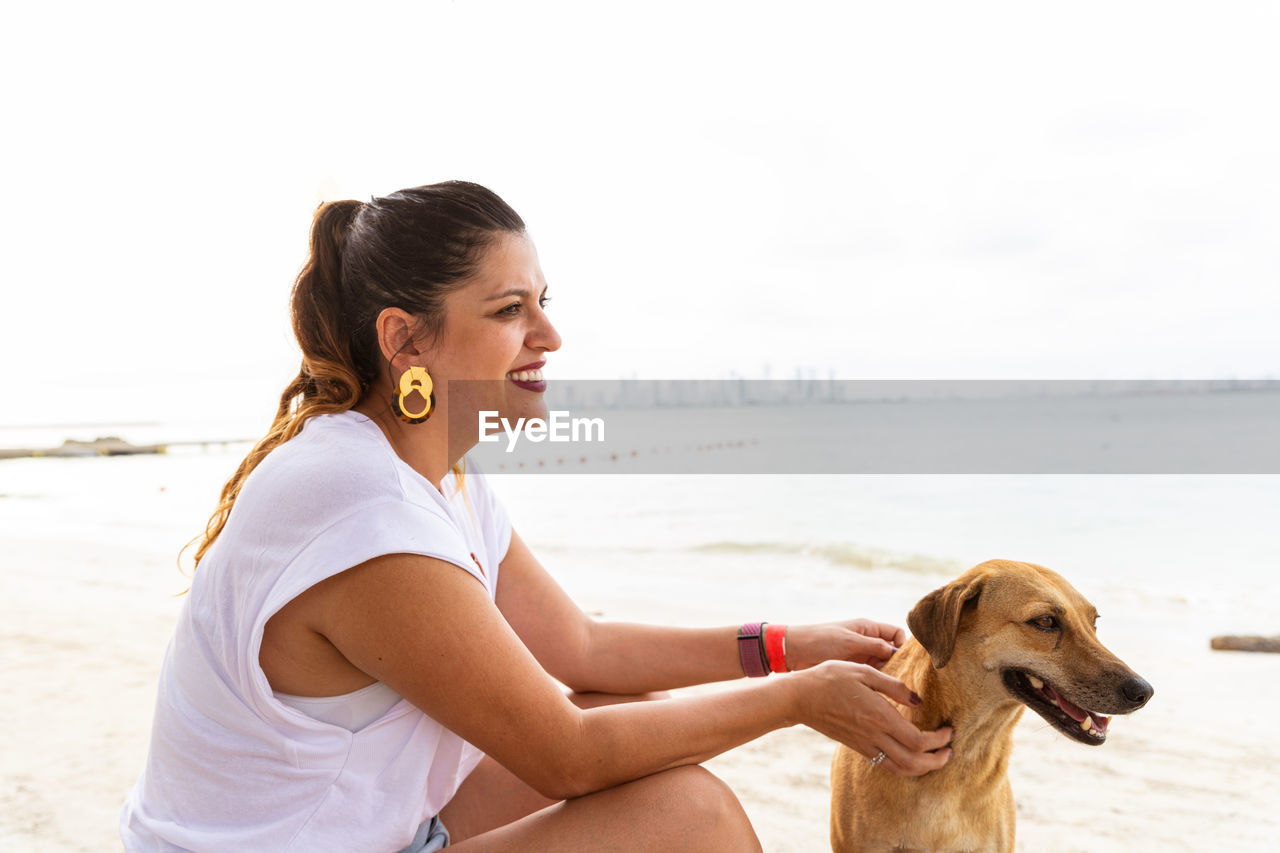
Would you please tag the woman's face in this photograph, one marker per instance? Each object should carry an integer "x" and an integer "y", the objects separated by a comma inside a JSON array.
[{"x": 496, "y": 331}]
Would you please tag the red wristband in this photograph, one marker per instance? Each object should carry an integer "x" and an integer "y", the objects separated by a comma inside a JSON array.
[
  {"x": 775, "y": 646},
  {"x": 751, "y": 650}
]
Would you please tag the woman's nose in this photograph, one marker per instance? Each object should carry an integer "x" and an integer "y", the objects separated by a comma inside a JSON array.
[{"x": 544, "y": 336}]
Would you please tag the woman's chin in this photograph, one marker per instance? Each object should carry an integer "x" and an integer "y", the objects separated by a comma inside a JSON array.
[{"x": 535, "y": 407}]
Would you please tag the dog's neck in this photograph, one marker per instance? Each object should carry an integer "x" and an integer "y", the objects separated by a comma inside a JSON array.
[{"x": 983, "y": 727}]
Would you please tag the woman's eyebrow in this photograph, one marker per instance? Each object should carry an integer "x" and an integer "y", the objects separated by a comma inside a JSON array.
[{"x": 513, "y": 291}]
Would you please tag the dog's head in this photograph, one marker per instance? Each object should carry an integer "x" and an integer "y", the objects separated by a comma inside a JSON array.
[{"x": 1030, "y": 628}]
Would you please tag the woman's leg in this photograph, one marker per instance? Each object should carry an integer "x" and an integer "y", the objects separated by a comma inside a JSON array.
[
  {"x": 682, "y": 809},
  {"x": 491, "y": 796},
  {"x": 493, "y": 810}
]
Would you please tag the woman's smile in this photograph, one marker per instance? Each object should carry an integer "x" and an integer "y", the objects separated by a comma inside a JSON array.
[{"x": 529, "y": 377}]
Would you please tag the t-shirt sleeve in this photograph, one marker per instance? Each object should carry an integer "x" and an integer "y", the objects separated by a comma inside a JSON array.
[{"x": 373, "y": 530}]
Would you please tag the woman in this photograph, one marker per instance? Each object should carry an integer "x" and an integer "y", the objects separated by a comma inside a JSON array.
[{"x": 370, "y": 654}]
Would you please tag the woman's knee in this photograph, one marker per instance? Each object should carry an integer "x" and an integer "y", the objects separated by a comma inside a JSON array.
[
  {"x": 704, "y": 807},
  {"x": 686, "y": 808}
]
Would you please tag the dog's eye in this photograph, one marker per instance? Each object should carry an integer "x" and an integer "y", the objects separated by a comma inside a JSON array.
[{"x": 1045, "y": 623}]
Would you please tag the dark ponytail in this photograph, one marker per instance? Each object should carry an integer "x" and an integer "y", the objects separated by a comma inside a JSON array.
[{"x": 406, "y": 250}]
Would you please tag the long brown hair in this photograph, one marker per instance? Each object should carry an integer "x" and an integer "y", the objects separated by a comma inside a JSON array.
[{"x": 406, "y": 250}]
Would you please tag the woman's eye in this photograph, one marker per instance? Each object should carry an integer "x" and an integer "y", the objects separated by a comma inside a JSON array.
[
  {"x": 515, "y": 308},
  {"x": 1045, "y": 623}
]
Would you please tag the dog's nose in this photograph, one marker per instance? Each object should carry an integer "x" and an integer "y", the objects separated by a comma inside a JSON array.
[{"x": 1137, "y": 691}]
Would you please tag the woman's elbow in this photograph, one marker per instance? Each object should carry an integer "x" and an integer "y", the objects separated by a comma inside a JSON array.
[
  {"x": 563, "y": 786},
  {"x": 564, "y": 777},
  {"x": 560, "y": 764}
]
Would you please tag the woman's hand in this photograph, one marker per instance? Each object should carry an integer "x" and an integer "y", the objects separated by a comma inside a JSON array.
[
  {"x": 846, "y": 702},
  {"x": 859, "y": 641}
]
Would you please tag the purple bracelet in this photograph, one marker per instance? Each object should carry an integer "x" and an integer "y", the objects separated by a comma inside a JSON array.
[{"x": 751, "y": 649}]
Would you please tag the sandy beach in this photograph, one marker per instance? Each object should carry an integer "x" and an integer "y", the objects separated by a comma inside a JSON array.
[{"x": 87, "y": 602}]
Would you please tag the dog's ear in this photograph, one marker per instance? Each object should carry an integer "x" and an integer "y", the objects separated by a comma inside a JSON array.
[{"x": 935, "y": 620}]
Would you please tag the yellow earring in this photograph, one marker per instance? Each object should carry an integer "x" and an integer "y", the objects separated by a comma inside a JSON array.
[{"x": 415, "y": 379}]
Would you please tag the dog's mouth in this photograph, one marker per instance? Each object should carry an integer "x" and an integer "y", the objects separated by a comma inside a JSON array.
[{"x": 1067, "y": 717}]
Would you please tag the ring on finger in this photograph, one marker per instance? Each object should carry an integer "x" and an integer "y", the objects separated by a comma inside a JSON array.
[{"x": 880, "y": 756}]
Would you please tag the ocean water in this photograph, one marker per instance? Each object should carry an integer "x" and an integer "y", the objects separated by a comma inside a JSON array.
[
  {"x": 719, "y": 546},
  {"x": 1202, "y": 543},
  {"x": 711, "y": 546}
]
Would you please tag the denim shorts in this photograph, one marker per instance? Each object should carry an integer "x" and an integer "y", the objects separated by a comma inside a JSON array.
[{"x": 430, "y": 836}]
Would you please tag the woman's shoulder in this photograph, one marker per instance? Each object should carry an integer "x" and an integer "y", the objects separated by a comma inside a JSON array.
[{"x": 335, "y": 459}]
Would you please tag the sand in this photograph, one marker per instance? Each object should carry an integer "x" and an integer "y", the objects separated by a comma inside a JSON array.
[{"x": 85, "y": 616}]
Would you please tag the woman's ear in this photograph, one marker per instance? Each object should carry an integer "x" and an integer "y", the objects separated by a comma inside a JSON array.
[{"x": 397, "y": 338}]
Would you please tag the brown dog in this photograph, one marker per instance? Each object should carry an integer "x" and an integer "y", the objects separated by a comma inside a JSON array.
[{"x": 1002, "y": 637}]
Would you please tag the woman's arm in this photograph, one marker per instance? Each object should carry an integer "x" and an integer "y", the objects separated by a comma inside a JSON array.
[
  {"x": 625, "y": 658},
  {"x": 429, "y": 631},
  {"x": 606, "y": 657}
]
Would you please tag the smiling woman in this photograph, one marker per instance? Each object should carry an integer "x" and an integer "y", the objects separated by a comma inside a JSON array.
[{"x": 370, "y": 653}]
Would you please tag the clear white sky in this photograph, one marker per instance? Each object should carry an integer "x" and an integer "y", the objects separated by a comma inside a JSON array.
[{"x": 905, "y": 190}]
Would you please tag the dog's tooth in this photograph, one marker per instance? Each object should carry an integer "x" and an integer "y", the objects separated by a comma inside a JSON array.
[
  {"x": 1086, "y": 723},
  {"x": 1035, "y": 682}
]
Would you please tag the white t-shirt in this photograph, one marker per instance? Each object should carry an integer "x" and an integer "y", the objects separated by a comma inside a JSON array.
[{"x": 230, "y": 766}]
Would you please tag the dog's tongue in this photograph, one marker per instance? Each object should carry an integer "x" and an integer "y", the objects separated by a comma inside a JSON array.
[
  {"x": 1075, "y": 712},
  {"x": 1098, "y": 722}
]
